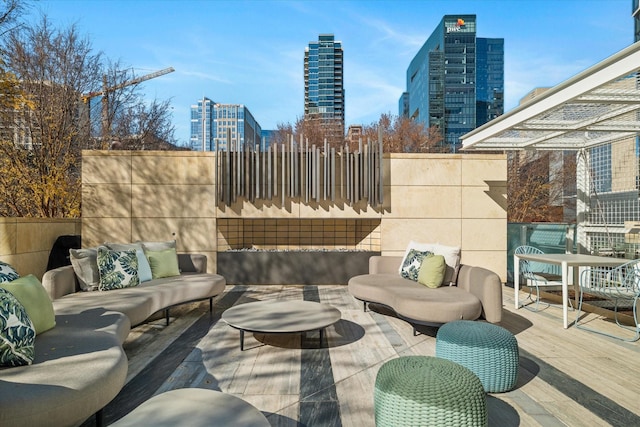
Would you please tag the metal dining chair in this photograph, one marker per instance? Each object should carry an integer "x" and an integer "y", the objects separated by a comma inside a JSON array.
[
  {"x": 617, "y": 284},
  {"x": 538, "y": 275}
]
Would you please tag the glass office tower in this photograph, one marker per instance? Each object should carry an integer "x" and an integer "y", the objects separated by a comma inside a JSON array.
[
  {"x": 323, "y": 79},
  {"x": 456, "y": 80},
  {"x": 223, "y": 126}
]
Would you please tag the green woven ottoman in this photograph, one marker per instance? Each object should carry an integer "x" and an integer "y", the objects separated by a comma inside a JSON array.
[
  {"x": 423, "y": 391},
  {"x": 490, "y": 351}
]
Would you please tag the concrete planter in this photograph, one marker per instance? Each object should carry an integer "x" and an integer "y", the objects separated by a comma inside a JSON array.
[{"x": 292, "y": 268}]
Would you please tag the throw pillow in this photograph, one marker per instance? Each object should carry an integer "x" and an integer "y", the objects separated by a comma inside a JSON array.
[
  {"x": 411, "y": 264},
  {"x": 7, "y": 272},
  {"x": 451, "y": 257},
  {"x": 118, "y": 269},
  {"x": 34, "y": 298},
  {"x": 17, "y": 334},
  {"x": 144, "y": 269},
  {"x": 163, "y": 263},
  {"x": 85, "y": 265},
  {"x": 432, "y": 271}
]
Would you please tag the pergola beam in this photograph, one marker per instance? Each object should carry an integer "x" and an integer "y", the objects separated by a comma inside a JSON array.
[{"x": 611, "y": 83}]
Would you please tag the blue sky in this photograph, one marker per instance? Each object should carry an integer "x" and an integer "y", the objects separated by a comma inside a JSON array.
[{"x": 251, "y": 52}]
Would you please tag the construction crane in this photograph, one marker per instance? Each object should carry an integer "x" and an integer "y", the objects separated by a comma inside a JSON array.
[{"x": 104, "y": 93}]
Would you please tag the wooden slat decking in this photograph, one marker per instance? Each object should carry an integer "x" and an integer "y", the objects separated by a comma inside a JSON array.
[{"x": 567, "y": 377}]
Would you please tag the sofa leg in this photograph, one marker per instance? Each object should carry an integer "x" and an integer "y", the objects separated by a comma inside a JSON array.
[
  {"x": 99, "y": 418},
  {"x": 210, "y": 305},
  {"x": 364, "y": 304},
  {"x": 166, "y": 316}
]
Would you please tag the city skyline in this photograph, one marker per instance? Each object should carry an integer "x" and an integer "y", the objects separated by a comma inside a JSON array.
[{"x": 251, "y": 52}]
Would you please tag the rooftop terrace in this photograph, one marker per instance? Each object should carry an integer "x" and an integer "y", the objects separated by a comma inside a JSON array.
[{"x": 566, "y": 377}]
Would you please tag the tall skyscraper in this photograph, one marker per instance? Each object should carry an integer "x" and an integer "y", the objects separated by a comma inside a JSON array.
[
  {"x": 213, "y": 125},
  {"x": 323, "y": 80},
  {"x": 456, "y": 80}
]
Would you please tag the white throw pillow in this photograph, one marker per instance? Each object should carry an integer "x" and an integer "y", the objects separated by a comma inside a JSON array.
[{"x": 451, "y": 256}]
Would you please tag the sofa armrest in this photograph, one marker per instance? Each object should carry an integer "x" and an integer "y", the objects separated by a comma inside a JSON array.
[
  {"x": 486, "y": 285},
  {"x": 379, "y": 264},
  {"x": 192, "y": 263},
  {"x": 60, "y": 282}
]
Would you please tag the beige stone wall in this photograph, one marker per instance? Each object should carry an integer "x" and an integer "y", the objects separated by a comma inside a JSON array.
[
  {"x": 150, "y": 195},
  {"x": 25, "y": 243},
  {"x": 453, "y": 199}
]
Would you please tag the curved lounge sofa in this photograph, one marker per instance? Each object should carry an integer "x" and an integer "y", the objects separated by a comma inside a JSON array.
[
  {"x": 79, "y": 365},
  {"x": 478, "y": 293}
]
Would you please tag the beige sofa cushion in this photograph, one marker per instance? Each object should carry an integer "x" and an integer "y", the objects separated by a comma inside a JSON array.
[
  {"x": 79, "y": 367},
  {"x": 414, "y": 301},
  {"x": 140, "y": 302}
]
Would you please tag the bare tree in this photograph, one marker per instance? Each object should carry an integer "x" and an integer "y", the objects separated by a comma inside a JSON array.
[
  {"x": 403, "y": 135},
  {"x": 11, "y": 95},
  {"x": 46, "y": 76},
  {"x": 535, "y": 191},
  {"x": 400, "y": 134},
  {"x": 125, "y": 119},
  {"x": 53, "y": 67},
  {"x": 282, "y": 133},
  {"x": 141, "y": 126},
  {"x": 313, "y": 131},
  {"x": 10, "y": 12}
]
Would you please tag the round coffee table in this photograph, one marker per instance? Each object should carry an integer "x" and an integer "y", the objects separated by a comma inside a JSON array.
[{"x": 281, "y": 317}]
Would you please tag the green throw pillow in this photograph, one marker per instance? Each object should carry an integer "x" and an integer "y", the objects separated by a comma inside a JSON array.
[
  {"x": 411, "y": 264},
  {"x": 432, "y": 271},
  {"x": 17, "y": 334},
  {"x": 163, "y": 263},
  {"x": 118, "y": 269},
  {"x": 34, "y": 298}
]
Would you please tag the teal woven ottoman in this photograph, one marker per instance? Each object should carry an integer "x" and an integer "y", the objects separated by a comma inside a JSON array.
[
  {"x": 414, "y": 391},
  {"x": 490, "y": 351}
]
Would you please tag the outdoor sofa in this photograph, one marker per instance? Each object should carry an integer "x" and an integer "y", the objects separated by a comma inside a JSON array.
[
  {"x": 467, "y": 293},
  {"x": 80, "y": 365}
]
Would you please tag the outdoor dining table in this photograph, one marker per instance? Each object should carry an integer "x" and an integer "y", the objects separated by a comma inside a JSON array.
[{"x": 565, "y": 261}]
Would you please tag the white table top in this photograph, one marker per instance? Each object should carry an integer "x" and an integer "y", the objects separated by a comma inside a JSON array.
[
  {"x": 281, "y": 316},
  {"x": 565, "y": 260},
  {"x": 574, "y": 259}
]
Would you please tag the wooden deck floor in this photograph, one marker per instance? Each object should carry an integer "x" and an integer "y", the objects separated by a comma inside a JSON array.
[{"x": 567, "y": 377}]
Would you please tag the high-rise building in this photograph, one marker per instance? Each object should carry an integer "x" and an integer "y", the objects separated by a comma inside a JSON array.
[
  {"x": 223, "y": 126},
  {"x": 456, "y": 80},
  {"x": 323, "y": 80}
]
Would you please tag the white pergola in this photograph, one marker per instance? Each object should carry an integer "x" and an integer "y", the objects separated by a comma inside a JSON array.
[{"x": 597, "y": 106}]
